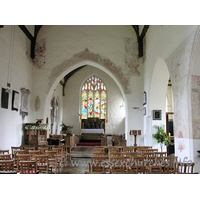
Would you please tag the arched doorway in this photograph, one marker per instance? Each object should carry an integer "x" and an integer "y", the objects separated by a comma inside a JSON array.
[{"x": 157, "y": 99}]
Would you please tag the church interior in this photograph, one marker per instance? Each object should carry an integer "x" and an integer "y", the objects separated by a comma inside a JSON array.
[{"x": 73, "y": 95}]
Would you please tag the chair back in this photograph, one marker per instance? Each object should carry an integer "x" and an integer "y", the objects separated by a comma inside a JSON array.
[
  {"x": 5, "y": 156},
  {"x": 58, "y": 150},
  {"x": 185, "y": 168},
  {"x": 28, "y": 167},
  {"x": 4, "y": 151},
  {"x": 13, "y": 149},
  {"x": 42, "y": 150},
  {"x": 28, "y": 148},
  {"x": 7, "y": 165},
  {"x": 33, "y": 153},
  {"x": 21, "y": 157}
]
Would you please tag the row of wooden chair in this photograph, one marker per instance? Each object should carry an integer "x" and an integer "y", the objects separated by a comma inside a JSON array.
[
  {"x": 27, "y": 167},
  {"x": 178, "y": 168},
  {"x": 46, "y": 157},
  {"x": 151, "y": 157}
]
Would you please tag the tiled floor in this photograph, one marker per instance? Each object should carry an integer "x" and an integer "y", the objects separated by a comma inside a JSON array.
[
  {"x": 81, "y": 155},
  {"x": 75, "y": 166}
]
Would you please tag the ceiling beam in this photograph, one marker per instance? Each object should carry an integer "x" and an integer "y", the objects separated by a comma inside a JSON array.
[
  {"x": 66, "y": 78},
  {"x": 31, "y": 37},
  {"x": 140, "y": 38}
]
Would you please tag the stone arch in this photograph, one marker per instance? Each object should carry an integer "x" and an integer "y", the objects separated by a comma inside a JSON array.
[
  {"x": 102, "y": 63},
  {"x": 157, "y": 96},
  {"x": 67, "y": 66}
]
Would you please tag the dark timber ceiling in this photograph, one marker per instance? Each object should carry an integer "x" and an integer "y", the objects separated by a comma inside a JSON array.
[{"x": 33, "y": 39}]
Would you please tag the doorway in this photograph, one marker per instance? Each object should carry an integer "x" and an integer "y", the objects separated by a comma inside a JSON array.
[{"x": 170, "y": 131}]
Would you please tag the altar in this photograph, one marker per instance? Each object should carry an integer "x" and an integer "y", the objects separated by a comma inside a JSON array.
[{"x": 92, "y": 131}]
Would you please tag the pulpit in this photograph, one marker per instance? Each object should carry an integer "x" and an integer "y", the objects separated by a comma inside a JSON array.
[{"x": 35, "y": 134}]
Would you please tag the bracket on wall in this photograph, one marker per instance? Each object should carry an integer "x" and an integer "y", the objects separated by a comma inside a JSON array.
[
  {"x": 1, "y": 26},
  {"x": 140, "y": 38},
  {"x": 31, "y": 38}
]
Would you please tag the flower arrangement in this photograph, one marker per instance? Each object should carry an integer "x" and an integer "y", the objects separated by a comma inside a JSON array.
[
  {"x": 161, "y": 136},
  {"x": 66, "y": 129},
  {"x": 34, "y": 128}
]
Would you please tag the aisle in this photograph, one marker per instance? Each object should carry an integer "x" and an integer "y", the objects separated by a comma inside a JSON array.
[
  {"x": 82, "y": 152},
  {"x": 75, "y": 166}
]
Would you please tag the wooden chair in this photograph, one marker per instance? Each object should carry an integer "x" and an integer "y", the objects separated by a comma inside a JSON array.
[
  {"x": 99, "y": 149},
  {"x": 96, "y": 167},
  {"x": 22, "y": 157},
  {"x": 23, "y": 146},
  {"x": 67, "y": 152},
  {"x": 14, "y": 149},
  {"x": 170, "y": 164},
  {"x": 42, "y": 150},
  {"x": 148, "y": 155},
  {"x": 50, "y": 147},
  {"x": 127, "y": 149},
  {"x": 15, "y": 152},
  {"x": 28, "y": 167},
  {"x": 185, "y": 168},
  {"x": 114, "y": 149},
  {"x": 52, "y": 159},
  {"x": 4, "y": 151},
  {"x": 114, "y": 154},
  {"x": 26, "y": 149},
  {"x": 97, "y": 159},
  {"x": 42, "y": 162},
  {"x": 60, "y": 156},
  {"x": 160, "y": 154},
  {"x": 99, "y": 153},
  {"x": 152, "y": 150},
  {"x": 119, "y": 168},
  {"x": 117, "y": 160},
  {"x": 33, "y": 153},
  {"x": 141, "y": 151},
  {"x": 129, "y": 155},
  {"x": 5, "y": 156},
  {"x": 6, "y": 165},
  {"x": 155, "y": 170}
]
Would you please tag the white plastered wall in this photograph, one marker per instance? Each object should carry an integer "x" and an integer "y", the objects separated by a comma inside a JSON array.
[
  {"x": 72, "y": 101},
  {"x": 11, "y": 133}
]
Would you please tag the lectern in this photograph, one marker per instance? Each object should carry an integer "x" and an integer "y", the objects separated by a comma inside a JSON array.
[{"x": 135, "y": 133}]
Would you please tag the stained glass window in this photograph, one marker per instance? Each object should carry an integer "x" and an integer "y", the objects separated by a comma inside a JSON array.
[{"x": 94, "y": 98}]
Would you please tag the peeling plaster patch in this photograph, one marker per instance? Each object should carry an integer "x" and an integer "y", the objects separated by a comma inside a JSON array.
[
  {"x": 196, "y": 106},
  {"x": 180, "y": 134},
  {"x": 181, "y": 146},
  {"x": 87, "y": 55},
  {"x": 131, "y": 56},
  {"x": 40, "y": 58}
]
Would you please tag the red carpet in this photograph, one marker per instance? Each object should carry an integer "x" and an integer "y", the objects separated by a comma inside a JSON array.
[{"x": 89, "y": 144}]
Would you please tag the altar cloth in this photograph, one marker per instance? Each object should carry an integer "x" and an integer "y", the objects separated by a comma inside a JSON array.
[{"x": 92, "y": 131}]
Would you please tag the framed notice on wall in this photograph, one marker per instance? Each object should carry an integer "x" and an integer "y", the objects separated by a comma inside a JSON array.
[
  {"x": 15, "y": 100},
  {"x": 157, "y": 114},
  {"x": 4, "y": 98}
]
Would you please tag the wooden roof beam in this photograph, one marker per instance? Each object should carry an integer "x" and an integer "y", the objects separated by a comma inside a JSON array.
[{"x": 140, "y": 38}]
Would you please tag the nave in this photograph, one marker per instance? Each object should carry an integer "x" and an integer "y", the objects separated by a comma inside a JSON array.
[{"x": 62, "y": 159}]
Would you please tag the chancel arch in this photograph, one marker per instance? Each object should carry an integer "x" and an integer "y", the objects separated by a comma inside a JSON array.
[{"x": 97, "y": 67}]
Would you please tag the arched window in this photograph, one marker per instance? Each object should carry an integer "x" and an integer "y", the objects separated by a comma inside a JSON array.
[{"x": 94, "y": 98}]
